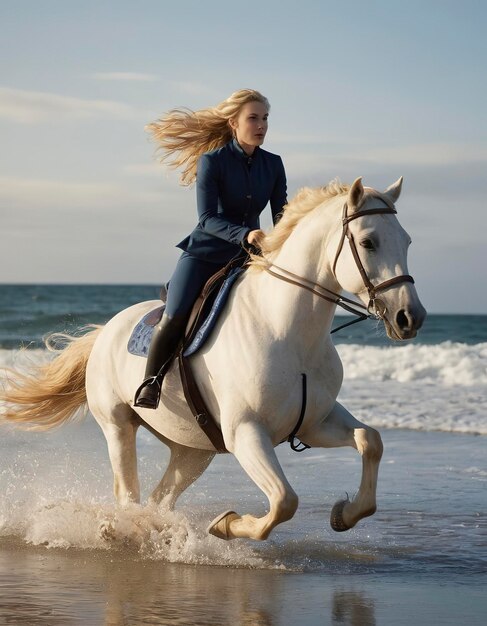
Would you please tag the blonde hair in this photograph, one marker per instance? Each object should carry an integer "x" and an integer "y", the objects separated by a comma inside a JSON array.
[{"x": 184, "y": 135}]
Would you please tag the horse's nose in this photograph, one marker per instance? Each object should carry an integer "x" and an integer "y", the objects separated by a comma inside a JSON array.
[{"x": 410, "y": 319}]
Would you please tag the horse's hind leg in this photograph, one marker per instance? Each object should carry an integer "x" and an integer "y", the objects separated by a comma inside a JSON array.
[
  {"x": 185, "y": 466},
  {"x": 255, "y": 453},
  {"x": 341, "y": 429},
  {"x": 119, "y": 425}
]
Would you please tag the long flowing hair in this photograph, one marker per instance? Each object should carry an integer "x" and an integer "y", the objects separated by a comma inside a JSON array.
[{"x": 183, "y": 135}]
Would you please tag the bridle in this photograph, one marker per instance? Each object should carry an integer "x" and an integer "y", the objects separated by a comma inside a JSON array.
[
  {"x": 376, "y": 308},
  {"x": 374, "y": 303}
]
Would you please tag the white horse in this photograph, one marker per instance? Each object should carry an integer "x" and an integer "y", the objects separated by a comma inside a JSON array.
[{"x": 275, "y": 328}]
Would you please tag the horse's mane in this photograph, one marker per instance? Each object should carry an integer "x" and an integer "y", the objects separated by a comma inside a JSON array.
[{"x": 303, "y": 202}]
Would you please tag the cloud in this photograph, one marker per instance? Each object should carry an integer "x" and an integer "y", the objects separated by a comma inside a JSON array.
[
  {"x": 125, "y": 76},
  {"x": 431, "y": 169},
  {"x": 17, "y": 193},
  {"x": 36, "y": 203},
  {"x": 152, "y": 170},
  {"x": 35, "y": 107},
  {"x": 167, "y": 179},
  {"x": 192, "y": 88},
  {"x": 427, "y": 154},
  {"x": 431, "y": 154}
]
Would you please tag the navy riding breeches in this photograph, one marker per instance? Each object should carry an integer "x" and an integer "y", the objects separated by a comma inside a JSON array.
[{"x": 186, "y": 283}]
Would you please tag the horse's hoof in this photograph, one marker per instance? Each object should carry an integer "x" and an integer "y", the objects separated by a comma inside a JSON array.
[
  {"x": 336, "y": 517},
  {"x": 106, "y": 531},
  {"x": 220, "y": 526}
]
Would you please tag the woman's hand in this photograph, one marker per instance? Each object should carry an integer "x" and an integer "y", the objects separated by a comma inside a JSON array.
[{"x": 255, "y": 237}]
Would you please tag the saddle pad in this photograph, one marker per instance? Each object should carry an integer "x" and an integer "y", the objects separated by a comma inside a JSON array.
[
  {"x": 207, "y": 326},
  {"x": 141, "y": 336}
]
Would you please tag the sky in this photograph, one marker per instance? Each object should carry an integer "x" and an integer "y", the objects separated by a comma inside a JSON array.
[{"x": 379, "y": 89}]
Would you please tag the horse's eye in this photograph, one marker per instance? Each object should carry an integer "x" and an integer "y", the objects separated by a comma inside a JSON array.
[{"x": 368, "y": 244}]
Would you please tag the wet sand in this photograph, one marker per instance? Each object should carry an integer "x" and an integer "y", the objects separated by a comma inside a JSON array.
[{"x": 40, "y": 587}]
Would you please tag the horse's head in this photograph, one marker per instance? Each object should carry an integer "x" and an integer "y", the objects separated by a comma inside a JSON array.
[{"x": 371, "y": 259}]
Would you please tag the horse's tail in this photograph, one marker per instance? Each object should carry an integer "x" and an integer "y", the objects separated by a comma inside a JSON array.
[{"x": 50, "y": 393}]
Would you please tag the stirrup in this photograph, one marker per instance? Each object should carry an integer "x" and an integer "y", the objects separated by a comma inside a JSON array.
[{"x": 148, "y": 394}]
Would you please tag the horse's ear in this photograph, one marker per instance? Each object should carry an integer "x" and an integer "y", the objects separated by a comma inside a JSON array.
[
  {"x": 355, "y": 194},
  {"x": 394, "y": 191}
]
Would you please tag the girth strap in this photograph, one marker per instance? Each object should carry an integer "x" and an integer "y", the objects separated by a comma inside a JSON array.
[{"x": 198, "y": 407}]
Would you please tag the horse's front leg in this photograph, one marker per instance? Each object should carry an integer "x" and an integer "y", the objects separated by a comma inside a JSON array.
[
  {"x": 254, "y": 450},
  {"x": 340, "y": 428}
]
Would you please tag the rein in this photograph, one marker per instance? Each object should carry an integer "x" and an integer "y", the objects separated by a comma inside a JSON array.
[
  {"x": 375, "y": 304},
  {"x": 329, "y": 295}
]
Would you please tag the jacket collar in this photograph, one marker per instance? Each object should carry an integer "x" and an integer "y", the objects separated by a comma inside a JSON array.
[{"x": 238, "y": 151}]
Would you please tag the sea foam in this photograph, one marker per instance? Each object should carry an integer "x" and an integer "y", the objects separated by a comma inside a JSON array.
[
  {"x": 415, "y": 386},
  {"x": 446, "y": 364}
]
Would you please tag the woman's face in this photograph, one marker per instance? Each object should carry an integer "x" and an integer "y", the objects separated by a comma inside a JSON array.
[{"x": 250, "y": 125}]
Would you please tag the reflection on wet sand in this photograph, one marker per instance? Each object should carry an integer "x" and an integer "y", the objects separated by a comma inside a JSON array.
[
  {"x": 353, "y": 609},
  {"x": 161, "y": 593},
  {"x": 44, "y": 587},
  {"x": 54, "y": 587}
]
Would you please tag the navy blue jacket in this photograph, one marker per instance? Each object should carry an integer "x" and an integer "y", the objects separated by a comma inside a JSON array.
[{"x": 232, "y": 190}]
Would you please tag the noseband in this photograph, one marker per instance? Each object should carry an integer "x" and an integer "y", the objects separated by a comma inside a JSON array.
[{"x": 376, "y": 308}]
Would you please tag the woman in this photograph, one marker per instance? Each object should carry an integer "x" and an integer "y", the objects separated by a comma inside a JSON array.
[{"x": 218, "y": 147}]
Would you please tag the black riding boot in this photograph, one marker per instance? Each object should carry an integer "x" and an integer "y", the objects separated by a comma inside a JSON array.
[{"x": 165, "y": 339}]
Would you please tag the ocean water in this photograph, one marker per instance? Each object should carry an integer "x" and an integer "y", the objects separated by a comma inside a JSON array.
[
  {"x": 28, "y": 312},
  {"x": 424, "y": 552}
]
